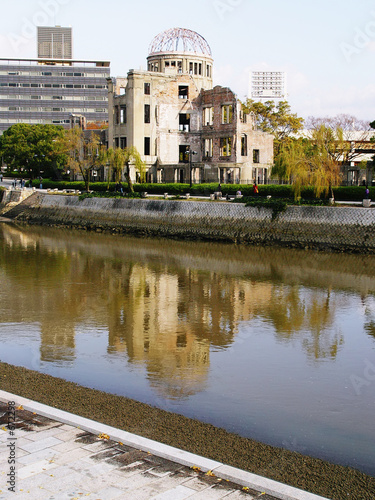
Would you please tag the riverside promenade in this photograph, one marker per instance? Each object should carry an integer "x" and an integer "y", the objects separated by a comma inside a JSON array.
[{"x": 50, "y": 454}]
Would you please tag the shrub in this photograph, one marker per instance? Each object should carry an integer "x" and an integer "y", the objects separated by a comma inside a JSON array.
[
  {"x": 352, "y": 193},
  {"x": 108, "y": 194},
  {"x": 341, "y": 193},
  {"x": 277, "y": 205}
]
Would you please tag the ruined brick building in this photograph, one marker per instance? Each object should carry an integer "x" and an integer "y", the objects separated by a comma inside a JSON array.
[{"x": 185, "y": 129}]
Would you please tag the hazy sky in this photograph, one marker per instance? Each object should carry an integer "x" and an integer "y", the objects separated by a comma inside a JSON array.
[{"x": 326, "y": 47}]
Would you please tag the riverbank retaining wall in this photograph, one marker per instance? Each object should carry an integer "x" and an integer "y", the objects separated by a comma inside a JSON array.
[
  {"x": 13, "y": 196},
  {"x": 330, "y": 228}
]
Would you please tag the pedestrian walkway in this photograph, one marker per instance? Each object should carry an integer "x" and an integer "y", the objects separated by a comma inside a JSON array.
[{"x": 51, "y": 454}]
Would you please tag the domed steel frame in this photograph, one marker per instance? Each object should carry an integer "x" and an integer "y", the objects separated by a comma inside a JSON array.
[{"x": 179, "y": 40}]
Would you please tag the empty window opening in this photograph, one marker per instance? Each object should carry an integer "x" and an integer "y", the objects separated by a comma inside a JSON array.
[
  {"x": 208, "y": 148},
  {"x": 225, "y": 146},
  {"x": 123, "y": 115},
  {"x": 184, "y": 122},
  {"x": 147, "y": 113},
  {"x": 256, "y": 156},
  {"x": 244, "y": 145},
  {"x": 183, "y": 154},
  {"x": 183, "y": 92},
  {"x": 147, "y": 147},
  {"x": 227, "y": 113},
  {"x": 208, "y": 116}
]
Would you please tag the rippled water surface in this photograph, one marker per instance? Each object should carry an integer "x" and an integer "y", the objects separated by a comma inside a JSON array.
[{"x": 276, "y": 345}]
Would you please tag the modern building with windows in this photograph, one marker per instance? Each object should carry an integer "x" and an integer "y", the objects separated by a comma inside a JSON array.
[
  {"x": 268, "y": 85},
  {"x": 49, "y": 90},
  {"x": 54, "y": 42},
  {"x": 185, "y": 129}
]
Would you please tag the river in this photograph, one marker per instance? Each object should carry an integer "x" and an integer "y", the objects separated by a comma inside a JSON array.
[{"x": 273, "y": 344}]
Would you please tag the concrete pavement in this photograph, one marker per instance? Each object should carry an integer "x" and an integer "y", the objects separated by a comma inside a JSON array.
[{"x": 48, "y": 454}]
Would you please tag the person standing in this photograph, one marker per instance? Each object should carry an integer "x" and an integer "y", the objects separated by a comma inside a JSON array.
[{"x": 255, "y": 189}]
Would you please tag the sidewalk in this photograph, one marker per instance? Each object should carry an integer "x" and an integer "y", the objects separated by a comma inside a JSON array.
[{"x": 61, "y": 456}]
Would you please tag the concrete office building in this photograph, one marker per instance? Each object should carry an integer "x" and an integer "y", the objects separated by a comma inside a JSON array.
[
  {"x": 50, "y": 90},
  {"x": 184, "y": 128}
]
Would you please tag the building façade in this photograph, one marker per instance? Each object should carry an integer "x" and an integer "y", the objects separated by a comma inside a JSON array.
[{"x": 185, "y": 129}]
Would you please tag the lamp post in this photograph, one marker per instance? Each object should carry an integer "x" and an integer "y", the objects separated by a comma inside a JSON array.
[{"x": 191, "y": 153}]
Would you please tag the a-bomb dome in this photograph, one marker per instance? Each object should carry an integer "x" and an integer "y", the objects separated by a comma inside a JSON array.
[{"x": 179, "y": 40}]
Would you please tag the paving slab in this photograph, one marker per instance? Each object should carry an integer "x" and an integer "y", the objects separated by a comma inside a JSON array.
[
  {"x": 40, "y": 444},
  {"x": 178, "y": 493},
  {"x": 66, "y": 456}
]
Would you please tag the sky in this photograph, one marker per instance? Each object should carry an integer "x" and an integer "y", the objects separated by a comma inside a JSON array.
[{"x": 326, "y": 47}]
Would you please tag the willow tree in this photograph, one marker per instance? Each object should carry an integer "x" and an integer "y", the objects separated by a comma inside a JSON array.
[
  {"x": 120, "y": 160},
  {"x": 291, "y": 164},
  {"x": 313, "y": 162},
  {"x": 115, "y": 161},
  {"x": 84, "y": 154},
  {"x": 324, "y": 161}
]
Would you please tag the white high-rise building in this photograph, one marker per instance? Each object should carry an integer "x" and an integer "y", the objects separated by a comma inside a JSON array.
[
  {"x": 268, "y": 85},
  {"x": 53, "y": 88},
  {"x": 55, "y": 42}
]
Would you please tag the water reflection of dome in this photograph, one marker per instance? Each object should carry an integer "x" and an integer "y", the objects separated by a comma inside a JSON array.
[{"x": 179, "y": 40}]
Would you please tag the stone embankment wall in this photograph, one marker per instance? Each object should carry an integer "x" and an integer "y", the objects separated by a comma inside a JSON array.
[
  {"x": 13, "y": 196},
  {"x": 335, "y": 228}
]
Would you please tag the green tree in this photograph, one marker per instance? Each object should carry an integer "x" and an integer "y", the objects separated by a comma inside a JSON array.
[
  {"x": 115, "y": 159},
  {"x": 33, "y": 149},
  {"x": 323, "y": 162},
  {"x": 290, "y": 164},
  {"x": 312, "y": 162},
  {"x": 350, "y": 135},
  {"x": 119, "y": 160},
  {"x": 83, "y": 153},
  {"x": 276, "y": 119}
]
